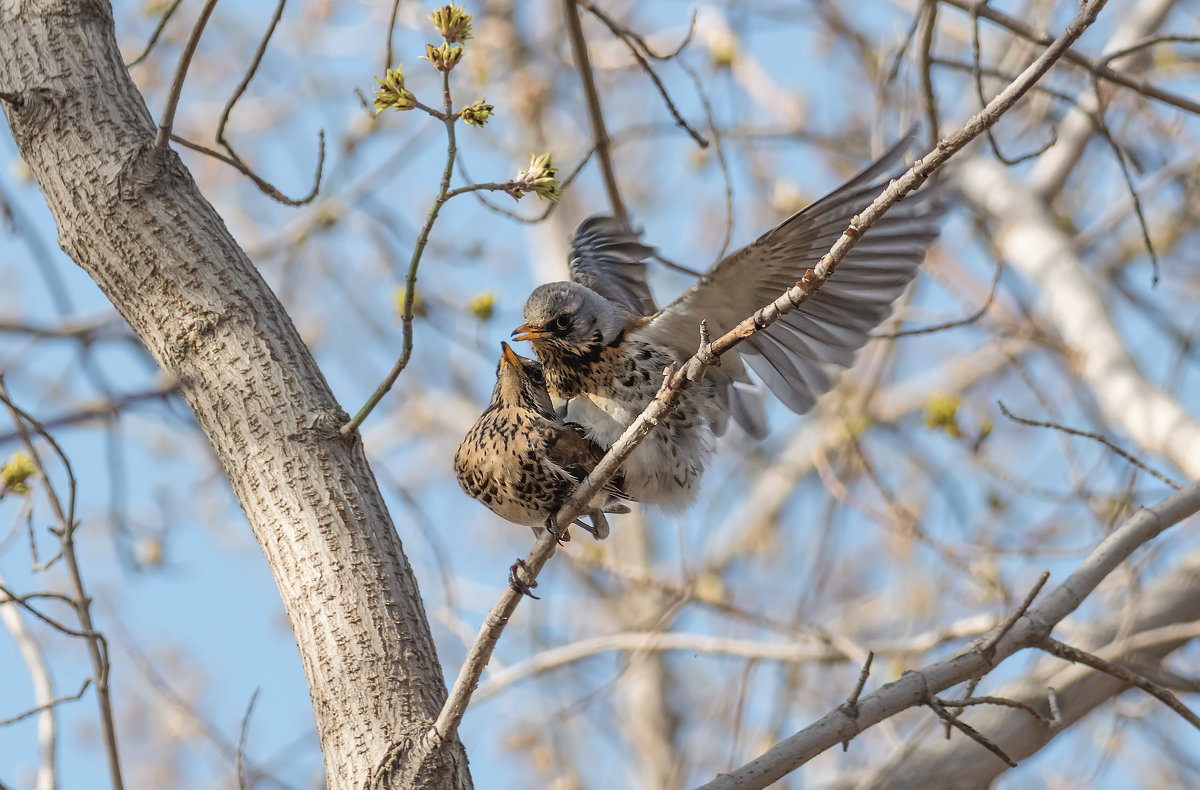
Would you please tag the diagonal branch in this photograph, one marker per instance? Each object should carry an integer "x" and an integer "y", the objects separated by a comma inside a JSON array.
[{"x": 677, "y": 379}]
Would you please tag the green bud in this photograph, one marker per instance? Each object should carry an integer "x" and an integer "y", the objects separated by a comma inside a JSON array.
[
  {"x": 477, "y": 113},
  {"x": 14, "y": 474},
  {"x": 392, "y": 92},
  {"x": 452, "y": 22}
]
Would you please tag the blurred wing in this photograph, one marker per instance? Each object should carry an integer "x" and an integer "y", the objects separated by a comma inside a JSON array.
[
  {"x": 610, "y": 260},
  {"x": 796, "y": 355}
]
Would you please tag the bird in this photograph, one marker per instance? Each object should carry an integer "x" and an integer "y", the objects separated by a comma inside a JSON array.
[
  {"x": 604, "y": 345},
  {"x": 523, "y": 461}
]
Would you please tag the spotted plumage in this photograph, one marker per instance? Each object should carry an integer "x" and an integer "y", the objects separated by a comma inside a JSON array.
[
  {"x": 604, "y": 346},
  {"x": 523, "y": 461}
]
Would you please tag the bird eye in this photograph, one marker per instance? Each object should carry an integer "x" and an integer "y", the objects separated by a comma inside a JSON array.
[{"x": 561, "y": 324}]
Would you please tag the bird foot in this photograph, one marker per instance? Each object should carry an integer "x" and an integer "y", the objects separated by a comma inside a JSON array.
[
  {"x": 514, "y": 580},
  {"x": 563, "y": 536}
]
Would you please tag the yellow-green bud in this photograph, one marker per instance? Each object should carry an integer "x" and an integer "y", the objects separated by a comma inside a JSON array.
[
  {"x": 541, "y": 179},
  {"x": 14, "y": 474},
  {"x": 452, "y": 22},
  {"x": 392, "y": 92},
  {"x": 477, "y": 113},
  {"x": 444, "y": 57},
  {"x": 483, "y": 305},
  {"x": 941, "y": 411}
]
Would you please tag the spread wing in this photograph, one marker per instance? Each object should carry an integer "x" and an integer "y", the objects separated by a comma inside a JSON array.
[
  {"x": 796, "y": 355},
  {"x": 610, "y": 260}
]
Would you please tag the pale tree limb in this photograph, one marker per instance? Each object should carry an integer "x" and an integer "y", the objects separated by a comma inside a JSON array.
[
  {"x": 677, "y": 378},
  {"x": 1030, "y": 241},
  {"x": 43, "y": 695},
  {"x": 1161, "y": 620},
  {"x": 1078, "y": 126},
  {"x": 914, "y": 687}
]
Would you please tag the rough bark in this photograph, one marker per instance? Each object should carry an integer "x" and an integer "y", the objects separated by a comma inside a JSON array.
[{"x": 132, "y": 217}]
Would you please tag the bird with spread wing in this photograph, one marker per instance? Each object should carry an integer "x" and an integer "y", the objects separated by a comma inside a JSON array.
[{"x": 603, "y": 344}]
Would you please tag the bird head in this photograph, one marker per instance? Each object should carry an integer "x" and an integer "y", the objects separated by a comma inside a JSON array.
[
  {"x": 519, "y": 382},
  {"x": 569, "y": 319}
]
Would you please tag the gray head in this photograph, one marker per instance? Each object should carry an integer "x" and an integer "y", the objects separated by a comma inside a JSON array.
[{"x": 571, "y": 319}]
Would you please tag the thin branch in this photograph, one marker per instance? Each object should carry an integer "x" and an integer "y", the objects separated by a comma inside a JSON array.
[
  {"x": 915, "y": 687},
  {"x": 185, "y": 59},
  {"x": 102, "y": 411},
  {"x": 677, "y": 378},
  {"x": 47, "y": 705},
  {"x": 1150, "y": 41},
  {"x": 631, "y": 42},
  {"x": 936, "y": 706},
  {"x": 387, "y": 63},
  {"x": 410, "y": 281},
  {"x": 966, "y": 321},
  {"x": 1077, "y": 656},
  {"x": 600, "y": 136},
  {"x": 97, "y": 646},
  {"x": 1089, "y": 435},
  {"x": 851, "y": 704},
  {"x": 241, "y": 744},
  {"x": 264, "y": 186},
  {"x": 988, "y": 647},
  {"x": 1119, "y": 153},
  {"x": 722, "y": 162},
  {"x": 1097, "y": 67},
  {"x": 1003, "y": 702},
  {"x": 162, "y": 23},
  {"x": 928, "y": 21}
]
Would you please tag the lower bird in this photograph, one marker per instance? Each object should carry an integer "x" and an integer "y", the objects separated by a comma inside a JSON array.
[
  {"x": 603, "y": 345},
  {"x": 523, "y": 462}
]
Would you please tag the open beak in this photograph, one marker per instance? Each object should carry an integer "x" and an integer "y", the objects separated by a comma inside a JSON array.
[
  {"x": 527, "y": 332},
  {"x": 508, "y": 356}
]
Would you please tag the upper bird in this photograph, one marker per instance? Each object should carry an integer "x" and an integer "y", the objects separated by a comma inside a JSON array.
[
  {"x": 603, "y": 345},
  {"x": 523, "y": 461}
]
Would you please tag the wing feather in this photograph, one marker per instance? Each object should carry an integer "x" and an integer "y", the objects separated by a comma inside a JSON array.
[
  {"x": 611, "y": 260},
  {"x": 794, "y": 357}
]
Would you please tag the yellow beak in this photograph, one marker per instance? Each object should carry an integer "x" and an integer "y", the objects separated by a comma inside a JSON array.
[
  {"x": 527, "y": 332},
  {"x": 508, "y": 356}
]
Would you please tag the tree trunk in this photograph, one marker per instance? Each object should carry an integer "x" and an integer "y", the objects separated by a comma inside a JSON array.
[{"x": 132, "y": 217}]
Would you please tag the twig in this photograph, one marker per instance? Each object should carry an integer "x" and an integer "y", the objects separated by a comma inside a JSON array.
[
  {"x": 233, "y": 158},
  {"x": 387, "y": 63},
  {"x": 241, "y": 744},
  {"x": 97, "y": 647},
  {"x": 43, "y": 696},
  {"x": 988, "y": 647},
  {"x": 1119, "y": 153},
  {"x": 185, "y": 59},
  {"x": 1097, "y": 67},
  {"x": 1001, "y": 701},
  {"x": 966, "y": 729},
  {"x": 965, "y": 321},
  {"x": 722, "y": 162},
  {"x": 1089, "y": 435},
  {"x": 103, "y": 411},
  {"x": 851, "y": 704},
  {"x": 928, "y": 20},
  {"x": 162, "y": 23},
  {"x": 47, "y": 705},
  {"x": 1150, "y": 41},
  {"x": 600, "y": 136},
  {"x": 1077, "y": 656},
  {"x": 410, "y": 281},
  {"x": 629, "y": 41}
]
